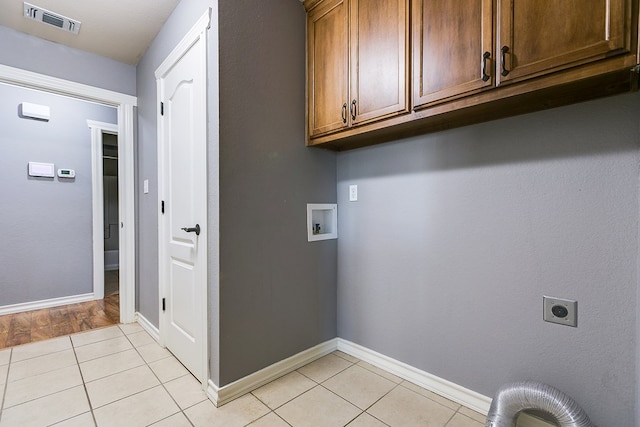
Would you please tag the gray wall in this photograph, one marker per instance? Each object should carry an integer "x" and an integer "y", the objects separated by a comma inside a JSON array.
[
  {"x": 46, "y": 226},
  {"x": 277, "y": 291},
  {"x": 57, "y": 60},
  {"x": 457, "y": 235}
]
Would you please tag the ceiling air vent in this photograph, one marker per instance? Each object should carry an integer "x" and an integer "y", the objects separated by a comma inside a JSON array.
[{"x": 43, "y": 15}]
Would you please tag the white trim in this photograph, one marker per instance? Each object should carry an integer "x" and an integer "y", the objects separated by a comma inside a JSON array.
[
  {"x": 46, "y": 83},
  {"x": 198, "y": 33},
  {"x": 147, "y": 326},
  {"x": 125, "y": 104},
  {"x": 444, "y": 388},
  {"x": 213, "y": 393},
  {"x": 47, "y": 303},
  {"x": 126, "y": 213},
  {"x": 221, "y": 395},
  {"x": 469, "y": 398},
  {"x": 97, "y": 202}
]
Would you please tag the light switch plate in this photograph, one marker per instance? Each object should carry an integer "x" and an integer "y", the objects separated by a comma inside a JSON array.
[
  {"x": 559, "y": 310},
  {"x": 353, "y": 193}
]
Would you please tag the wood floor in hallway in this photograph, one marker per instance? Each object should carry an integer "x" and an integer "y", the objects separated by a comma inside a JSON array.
[{"x": 38, "y": 325}]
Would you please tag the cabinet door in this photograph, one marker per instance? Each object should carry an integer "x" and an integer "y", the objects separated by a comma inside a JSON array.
[
  {"x": 379, "y": 59},
  {"x": 452, "y": 48},
  {"x": 327, "y": 72},
  {"x": 538, "y": 37}
]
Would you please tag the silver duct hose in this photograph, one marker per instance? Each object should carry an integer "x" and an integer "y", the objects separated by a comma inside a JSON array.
[{"x": 512, "y": 399}]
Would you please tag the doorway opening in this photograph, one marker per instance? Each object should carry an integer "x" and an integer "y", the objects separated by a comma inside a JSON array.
[
  {"x": 110, "y": 214},
  {"x": 125, "y": 105}
]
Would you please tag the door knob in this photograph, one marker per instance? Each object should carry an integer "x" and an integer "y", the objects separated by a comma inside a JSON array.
[{"x": 195, "y": 229}]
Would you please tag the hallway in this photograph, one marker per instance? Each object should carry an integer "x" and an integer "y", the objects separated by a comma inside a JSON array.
[{"x": 38, "y": 325}]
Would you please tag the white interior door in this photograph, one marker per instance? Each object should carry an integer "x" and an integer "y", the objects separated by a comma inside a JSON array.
[{"x": 183, "y": 194}]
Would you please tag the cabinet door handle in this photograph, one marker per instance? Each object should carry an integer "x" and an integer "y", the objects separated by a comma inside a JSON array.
[
  {"x": 485, "y": 76},
  {"x": 344, "y": 113},
  {"x": 504, "y": 51},
  {"x": 354, "y": 109}
]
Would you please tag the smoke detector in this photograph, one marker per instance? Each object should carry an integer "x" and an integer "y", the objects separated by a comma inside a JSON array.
[{"x": 46, "y": 16}]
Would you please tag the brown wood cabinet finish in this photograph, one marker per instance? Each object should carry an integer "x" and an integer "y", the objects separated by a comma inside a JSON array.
[
  {"x": 357, "y": 62},
  {"x": 453, "y": 50},
  {"x": 471, "y": 61},
  {"x": 327, "y": 75},
  {"x": 540, "y": 37},
  {"x": 379, "y": 51}
]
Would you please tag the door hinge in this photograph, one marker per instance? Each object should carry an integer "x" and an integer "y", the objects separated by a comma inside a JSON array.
[
  {"x": 164, "y": 305},
  {"x": 162, "y": 207},
  {"x": 162, "y": 108}
]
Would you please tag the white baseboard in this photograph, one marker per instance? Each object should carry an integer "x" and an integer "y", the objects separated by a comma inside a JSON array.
[
  {"x": 464, "y": 396},
  {"x": 221, "y": 395},
  {"x": 147, "y": 326},
  {"x": 444, "y": 388},
  {"x": 48, "y": 303},
  {"x": 440, "y": 386}
]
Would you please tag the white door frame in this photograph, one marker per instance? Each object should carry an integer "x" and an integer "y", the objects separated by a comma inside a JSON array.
[
  {"x": 125, "y": 105},
  {"x": 197, "y": 33},
  {"x": 97, "y": 202}
]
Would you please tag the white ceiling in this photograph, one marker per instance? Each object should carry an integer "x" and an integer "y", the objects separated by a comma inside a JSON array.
[{"x": 118, "y": 29}]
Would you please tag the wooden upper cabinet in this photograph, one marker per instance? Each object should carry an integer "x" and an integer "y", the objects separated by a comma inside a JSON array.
[
  {"x": 327, "y": 72},
  {"x": 379, "y": 46},
  {"x": 539, "y": 37},
  {"x": 382, "y": 69},
  {"x": 452, "y": 49},
  {"x": 357, "y": 53}
]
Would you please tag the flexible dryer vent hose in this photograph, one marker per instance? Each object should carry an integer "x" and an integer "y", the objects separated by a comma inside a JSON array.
[{"x": 512, "y": 399}]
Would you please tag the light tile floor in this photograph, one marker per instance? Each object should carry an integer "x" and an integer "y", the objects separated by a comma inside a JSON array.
[{"x": 119, "y": 376}]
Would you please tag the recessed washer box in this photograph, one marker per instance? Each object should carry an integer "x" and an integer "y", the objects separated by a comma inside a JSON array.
[{"x": 322, "y": 221}]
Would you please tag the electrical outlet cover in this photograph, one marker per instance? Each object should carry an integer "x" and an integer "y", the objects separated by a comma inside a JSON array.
[{"x": 559, "y": 310}]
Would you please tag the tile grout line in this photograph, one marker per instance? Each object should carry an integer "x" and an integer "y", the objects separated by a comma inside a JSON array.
[
  {"x": 77, "y": 364},
  {"x": 351, "y": 364},
  {"x": 265, "y": 415},
  {"x": 161, "y": 383},
  {"x": 84, "y": 384},
  {"x": 304, "y": 392},
  {"x": 370, "y": 371},
  {"x": 365, "y": 411},
  {"x": 293, "y": 398},
  {"x": 396, "y": 385},
  {"x": 279, "y": 406},
  {"x": 6, "y": 384},
  {"x": 450, "y": 418}
]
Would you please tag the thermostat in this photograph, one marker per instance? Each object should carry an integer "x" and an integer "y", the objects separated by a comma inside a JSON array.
[{"x": 66, "y": 173}]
